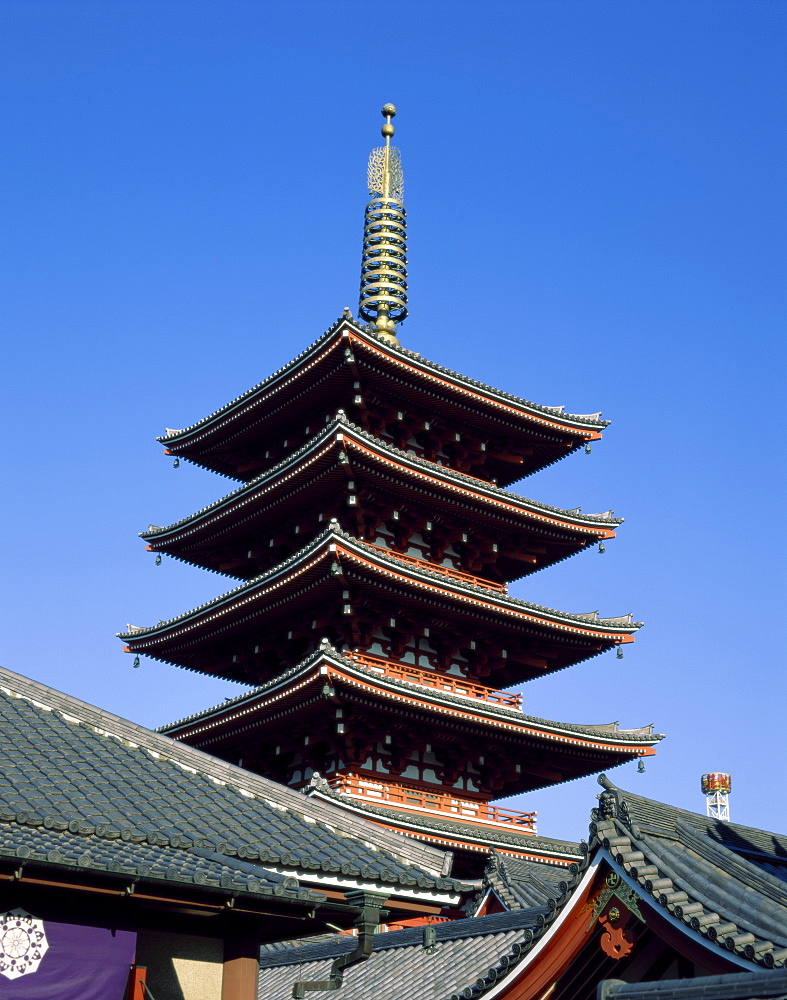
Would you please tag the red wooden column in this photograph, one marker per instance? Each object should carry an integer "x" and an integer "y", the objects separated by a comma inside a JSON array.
[
  {"x": 241, "y": 965},
  {"x": 136, "y": 982}
]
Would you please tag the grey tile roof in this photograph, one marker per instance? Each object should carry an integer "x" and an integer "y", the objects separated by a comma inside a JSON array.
[
  {"x": 712, "y": 876},
  {"x": 578, "y": 421},
  {"x": 733, "y": 986},
  {"x": 520, "y": 884},
  {"x": 48, "y": 847},
  {"x": 620, "y": 626},
  {"x": 761, "y": 847},
  {"x": 92, "y": 785},
  {"x": 399, "y": 969},
  {"x": 342, "y": 424}
]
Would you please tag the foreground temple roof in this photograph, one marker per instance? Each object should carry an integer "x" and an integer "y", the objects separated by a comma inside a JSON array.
[
  {"x": 518, "y": 953},
  {"x": 85, "y": 789},
  {"x": 734, "y": 986},
  {"x": 728, "y": 882},
  {"x": 464, "y": 952},
  {"x": 346, "y": 350}
]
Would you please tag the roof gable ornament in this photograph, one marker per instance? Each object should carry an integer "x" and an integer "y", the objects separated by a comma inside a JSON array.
[{"x": 383, "y": 299}]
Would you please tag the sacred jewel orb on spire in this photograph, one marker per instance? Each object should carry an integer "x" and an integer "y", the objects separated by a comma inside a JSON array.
[{"x": 384, "y": 263}]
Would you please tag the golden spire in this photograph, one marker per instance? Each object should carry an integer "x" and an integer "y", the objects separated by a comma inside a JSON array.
[{"x": 384, "y": 262}]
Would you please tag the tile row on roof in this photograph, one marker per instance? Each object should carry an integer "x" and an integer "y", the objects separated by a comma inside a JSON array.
[
  {"x": 90, "y": 784},
  {"x": 732, "y": 986}
]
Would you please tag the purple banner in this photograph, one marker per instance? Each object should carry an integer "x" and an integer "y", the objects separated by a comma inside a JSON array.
[{"x": 42, "y": 960}]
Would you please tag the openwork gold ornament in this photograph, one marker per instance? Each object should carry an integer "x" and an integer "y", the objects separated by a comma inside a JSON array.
[
  {"x": 384, "y": 263},
  {"x": 384, "y": 175}
]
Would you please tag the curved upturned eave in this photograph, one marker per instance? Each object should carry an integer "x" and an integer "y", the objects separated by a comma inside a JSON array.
[
  {"x": 575, "y": 425},
  {"x": 606, "y": 630},
  {"x": 454, "y": 834},
  {"x": 677, "y": 862},
  {"x": 630, "y": 743},
  {"x": 594, "y": 526}
]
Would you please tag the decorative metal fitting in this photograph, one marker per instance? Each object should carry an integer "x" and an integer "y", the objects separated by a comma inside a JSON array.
[{"x": 383, "y": 299}]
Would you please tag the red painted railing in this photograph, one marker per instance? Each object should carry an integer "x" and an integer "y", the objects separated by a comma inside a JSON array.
[
  {"x": 455, "y": 574},
  {"x": 402, "y": 797},
  {"x": 437, "y": 681}
]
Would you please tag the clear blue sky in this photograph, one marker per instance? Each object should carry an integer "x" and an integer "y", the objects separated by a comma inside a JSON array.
[{"x": 597, "y": 218}]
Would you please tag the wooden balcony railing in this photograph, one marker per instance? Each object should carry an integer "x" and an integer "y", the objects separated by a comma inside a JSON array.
[
  {"x": 464, "y": 810},
  {"x": 436, "y": 680},
  {"x": 454, "y": 574}
]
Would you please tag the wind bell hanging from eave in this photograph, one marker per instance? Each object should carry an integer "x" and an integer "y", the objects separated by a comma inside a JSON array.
[{"x": 384, "y": 263}]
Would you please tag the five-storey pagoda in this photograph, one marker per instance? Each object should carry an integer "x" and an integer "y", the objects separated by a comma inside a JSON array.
[{"x": 374, "y": 541}]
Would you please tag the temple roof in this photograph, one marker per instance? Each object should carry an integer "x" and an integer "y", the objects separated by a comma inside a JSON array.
[
  {"x": 83, "y": 788},
  {"x": 520, "y": 883},
  {"x": 732, "y": 986},
  {"x": 729, "y": 882},
  {"x": 244, "y": 604},
  {"x": 490, "y": 955},
  {"x": 660, "y": 820},
  {"x": 293, "y": 482},
  {"x": 241, "y": 708},
  {"x": 463, "y": 954},
  {"x": 311, "y": 379},
  {"x": 453, "y": 834}
]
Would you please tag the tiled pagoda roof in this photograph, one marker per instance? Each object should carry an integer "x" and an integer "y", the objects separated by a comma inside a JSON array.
[
  {"x": 554, "y": 414},
  {"x": 611, "y": 629},
  {"x": 83, "y": 788},
  {"x": 581, "y": 749},
  {"x": 266, "y": 400},
  {"x": 454, "y": 834},
  {"x": 253, "y": 498},
  {"x": 242, "y": 705}
]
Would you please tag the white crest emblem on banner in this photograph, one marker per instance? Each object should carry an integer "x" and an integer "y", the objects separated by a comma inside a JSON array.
[{"x": 23, "y": 943}]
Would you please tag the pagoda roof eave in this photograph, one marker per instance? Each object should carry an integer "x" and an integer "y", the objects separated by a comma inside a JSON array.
[
  {"x": 446, "y": 478},
  {"x": 453, "y": 833},
  {"x": 336, "y": 542},
  {"x": 327, "y": 662},
  {"x": 584, "y": 426}
]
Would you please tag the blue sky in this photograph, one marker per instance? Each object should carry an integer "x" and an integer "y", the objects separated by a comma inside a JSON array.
[{"x": 596, "y": 209}]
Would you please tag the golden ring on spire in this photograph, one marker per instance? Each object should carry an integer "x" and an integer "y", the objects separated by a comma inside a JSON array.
[{"x": 383, "y": 299}]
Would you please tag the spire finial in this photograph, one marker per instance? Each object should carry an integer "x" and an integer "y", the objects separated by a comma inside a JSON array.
[{"x": 384, "y": 263}]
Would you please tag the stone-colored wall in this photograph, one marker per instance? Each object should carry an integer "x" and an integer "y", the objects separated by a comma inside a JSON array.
[{"x": 181, "y": 966}]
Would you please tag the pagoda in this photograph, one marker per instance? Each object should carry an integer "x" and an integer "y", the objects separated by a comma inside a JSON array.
[{"x": 373, "y": 540}]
